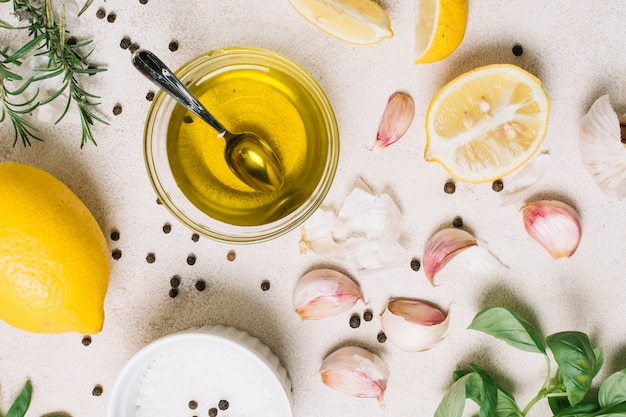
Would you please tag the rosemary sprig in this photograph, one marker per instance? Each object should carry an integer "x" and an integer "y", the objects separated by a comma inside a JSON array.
[{"x": 49, "y": 39}]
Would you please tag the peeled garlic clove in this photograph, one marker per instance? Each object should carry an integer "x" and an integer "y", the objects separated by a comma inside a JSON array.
[
  {"x": 602, "y": 150},
  {"x": 413, "y": 325},
  {"x": 396, "y": 120},
  {"x": 555, "y": 225},
  {"x": 442, "y": 247},
  {"x": 355, "y": 371},
  {"x": 324, "y": 293}
]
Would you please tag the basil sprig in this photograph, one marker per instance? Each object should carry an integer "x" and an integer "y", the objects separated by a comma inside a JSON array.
[{"x": 577, "y": 361}]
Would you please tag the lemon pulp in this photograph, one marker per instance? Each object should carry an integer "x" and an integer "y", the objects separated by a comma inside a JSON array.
[{"x": 257, "y": 99}]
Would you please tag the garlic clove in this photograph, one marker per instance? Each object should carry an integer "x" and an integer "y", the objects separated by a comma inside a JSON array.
[
  {"x": 554, "y": 225},
  {"x": 413, "y": 325},
  {"x": 522, "y": 183},
  {"x": 355, "y": 371},
  {"x": 396, "y": 120},
  {"x": 602, "y": 150},
  {"x": 324, "y": 293},
  {"x": 442, "y": 247}
]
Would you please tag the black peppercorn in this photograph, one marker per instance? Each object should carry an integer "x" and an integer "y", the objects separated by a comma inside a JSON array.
[
  {"x": 191, "y": 260},
  {"x": 457, "y": 222},
  {"x": 517, "y": 50},
  {"x": 117, "y": 109},
  {"x": 265, "y": 285},
  {"x": 167, "y": 228},
  {"x": 231, "y": 255},
  {"x": 193, "y": 405},
  {"x": 449, "y": 187},
  {"x": 355, "y": 321},
  {"x": 381, "y": 337},
  {"x": 100, "y": 14},
  {"x": 111, "y": 17},
  {"x": 173, "y": 46},
  {"x": 116, "y": 254},
  {"x": 71, "y": 41},
  {"x": 213, "y": 412},
  {"x": 195, "y": 237},
  {"x": 143, "y": 1},
  {"x": 368, "y": 315},
  {"x": 150, "y": 96},
  {"x": 415, "y": 264},
  {"x": 200, "y": 285},
  {"x": 86, "y": 340},
  {"x": 223, "y": 405},
  {"x": 133, "y": 48},
  {"x": 97, "y": 391},
  {"x": 150, "y": 258},
  {"x": 175, "y": 281},
  {"x": 125, "y": 42},
  {"x": 497, "y": 186},
  {"x": 187, "y": 119},
  {"x": 173, "y": 293},
  {"x": 115, "y": 235}
]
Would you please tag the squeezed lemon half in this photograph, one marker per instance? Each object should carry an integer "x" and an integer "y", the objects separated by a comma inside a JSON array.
[
  {"x": 361, "y": 22},
  {"x": 487, "y": 123}
]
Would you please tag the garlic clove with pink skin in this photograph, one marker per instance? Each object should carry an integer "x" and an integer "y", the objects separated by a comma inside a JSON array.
[
  {"x": 355, "y": 371},
  {"x": 442, "y": 247},
  {"x": 324, "y": 293},
  {"x": 554, "y": 225},
  {"x": 396, "y": 120},
  {"x": 413, "y": 325}
]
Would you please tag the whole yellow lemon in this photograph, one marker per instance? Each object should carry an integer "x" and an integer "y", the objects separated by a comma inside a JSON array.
[{"x": 54, "y": 260}]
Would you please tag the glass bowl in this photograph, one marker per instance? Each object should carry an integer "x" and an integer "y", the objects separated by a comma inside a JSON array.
[{"x": 246, "y": 89}]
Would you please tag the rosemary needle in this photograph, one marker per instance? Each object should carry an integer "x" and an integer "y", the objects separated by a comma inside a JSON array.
[{"x": 64, "y": 59}]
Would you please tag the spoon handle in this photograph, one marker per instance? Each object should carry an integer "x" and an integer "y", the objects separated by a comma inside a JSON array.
[{"x": 156, "y": 71}]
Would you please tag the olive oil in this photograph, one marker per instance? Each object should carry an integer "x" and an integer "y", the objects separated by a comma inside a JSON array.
[{"x": 257, "y": 99}]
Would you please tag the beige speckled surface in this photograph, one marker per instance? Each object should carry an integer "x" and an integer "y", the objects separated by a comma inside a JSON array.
[{"x": 576, "y": 48}]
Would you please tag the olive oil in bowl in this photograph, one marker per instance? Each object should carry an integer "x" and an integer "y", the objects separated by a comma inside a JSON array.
[{"x": 256, "y": 91}]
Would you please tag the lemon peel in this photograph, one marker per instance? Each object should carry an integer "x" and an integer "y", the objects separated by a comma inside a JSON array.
[
  {"x": 361, "y": 22},
  {"x": 439, "y": 28}
]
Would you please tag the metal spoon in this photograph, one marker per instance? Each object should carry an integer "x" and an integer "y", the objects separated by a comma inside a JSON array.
[{"x": 250, "y": 158}]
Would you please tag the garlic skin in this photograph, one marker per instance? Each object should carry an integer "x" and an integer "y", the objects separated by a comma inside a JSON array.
[
  {"x": 413, "y": 325},
  {"x": 324, "y": 293},
  {"x": 316, "y": 234},
  {"x": 523, "y": 182},
  {"x": 602, "y": 151},
  {"x": 396, "y": 120},
  {"x": 554, "y": 225},
  {"x": 355, "y": 371},
  {"x": 442, "y": 247}
]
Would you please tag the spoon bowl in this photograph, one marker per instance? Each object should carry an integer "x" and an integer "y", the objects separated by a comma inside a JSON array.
[{"x": 248, "y": 156}]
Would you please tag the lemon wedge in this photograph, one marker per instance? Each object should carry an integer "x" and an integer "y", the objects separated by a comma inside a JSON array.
[
  {"x": 439, "y": 28},
  {"x": 487, "y": 123},
  {"x": 361, "y": 22}
]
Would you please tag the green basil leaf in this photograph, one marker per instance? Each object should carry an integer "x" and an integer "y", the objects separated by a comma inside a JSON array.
[
  {"x": 453, "y": 402},
  {"x": 473, "y": 388},
  {"x": 582, "y": 409},
  {"x": 614, "y": 410},
  {"x": 599, "y": 359},
  {"x": 488, "y": 392},
  {"x": 505, "y": 324},
  {"x": 577, "y": 362},
  {"x": 507, "y": 406},
  {"x": 21, "y": 403},
  {"x": 613, "y": 389},
  {"x": 558, "y": 404}
]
